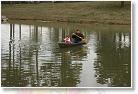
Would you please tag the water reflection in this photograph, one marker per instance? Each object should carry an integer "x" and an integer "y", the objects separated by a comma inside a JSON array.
[
  {"x": 113, "y": 63},
  {"x": 31, "y": 57}
]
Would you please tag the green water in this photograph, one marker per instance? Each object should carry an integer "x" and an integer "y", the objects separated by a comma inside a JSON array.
[{"x": 31, "y": 57}]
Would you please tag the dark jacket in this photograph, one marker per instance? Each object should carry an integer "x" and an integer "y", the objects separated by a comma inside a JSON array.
[{"x": 76, "y": 38}]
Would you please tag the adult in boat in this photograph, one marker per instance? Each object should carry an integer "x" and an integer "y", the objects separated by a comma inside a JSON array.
[{"x": 77, "y": 36}]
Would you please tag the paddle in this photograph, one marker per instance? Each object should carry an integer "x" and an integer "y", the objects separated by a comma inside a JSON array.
[{"x": 79, "y": 37}]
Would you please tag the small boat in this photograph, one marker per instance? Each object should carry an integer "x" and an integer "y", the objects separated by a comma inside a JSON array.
[{"x": 63, "y": 44}]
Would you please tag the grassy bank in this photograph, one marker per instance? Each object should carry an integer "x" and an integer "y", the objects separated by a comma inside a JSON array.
[{"x": 82, "y": 12}]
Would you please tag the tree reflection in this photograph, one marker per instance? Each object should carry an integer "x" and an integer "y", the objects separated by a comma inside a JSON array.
[
  {"x": 69, "y": 71},
  {"x": 11, "y": 75},
  {"x": 113, "y": 64},
  {"x": 24, "y": 68}
]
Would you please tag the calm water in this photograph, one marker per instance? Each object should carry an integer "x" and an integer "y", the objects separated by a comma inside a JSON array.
[{"x": 31, "y": 57}]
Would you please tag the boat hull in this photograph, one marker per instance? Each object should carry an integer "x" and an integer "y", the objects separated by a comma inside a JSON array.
[{"x": 63, "y": 44}]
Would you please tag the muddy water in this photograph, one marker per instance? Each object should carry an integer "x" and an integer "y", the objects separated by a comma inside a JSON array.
[{"x": 31, "y": 57}]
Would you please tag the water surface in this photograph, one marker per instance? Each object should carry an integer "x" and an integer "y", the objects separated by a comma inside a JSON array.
[{"x": 31, "y": 57}]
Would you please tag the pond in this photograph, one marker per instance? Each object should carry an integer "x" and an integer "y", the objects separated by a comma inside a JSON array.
[{"x": 31, "y": 56}]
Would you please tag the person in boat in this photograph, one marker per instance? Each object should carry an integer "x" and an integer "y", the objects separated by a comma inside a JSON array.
[
  {"x": 67, "y": 40},
  {"x": 77, "y": 36}
]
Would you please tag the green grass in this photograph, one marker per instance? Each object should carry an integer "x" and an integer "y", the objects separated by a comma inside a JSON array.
[{"x": 82, "y": 12}]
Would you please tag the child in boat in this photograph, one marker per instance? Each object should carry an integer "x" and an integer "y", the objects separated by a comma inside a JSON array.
[{"x": 67, "y": 40}]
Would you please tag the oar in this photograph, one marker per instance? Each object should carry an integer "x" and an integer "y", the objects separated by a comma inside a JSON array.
[
  {"x": 77, "y": 36},
  {"x": 80, "y": 37}
]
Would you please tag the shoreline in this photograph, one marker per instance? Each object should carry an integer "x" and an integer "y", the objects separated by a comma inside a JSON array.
[{"x": 110, "y": 22}]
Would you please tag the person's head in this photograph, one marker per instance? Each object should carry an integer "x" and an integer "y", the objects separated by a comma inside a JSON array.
[
  {"x": 67, "y": 36},
  {"x": 78, "y": 31}
]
